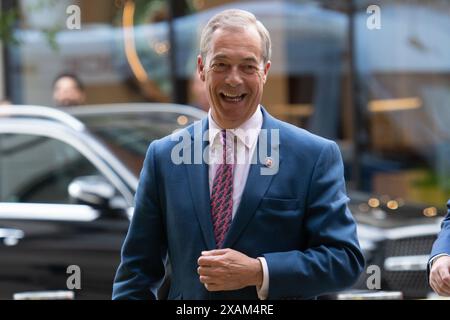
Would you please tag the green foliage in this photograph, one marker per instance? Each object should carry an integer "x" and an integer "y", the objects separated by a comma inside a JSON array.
[
  {"x": 41, "y": 5},
  {"x": 10, "y": 17},
  {"x": 7, "y": 20},
  {"x": 50, "y": 35},
  {"x": 146, "y": 9}
]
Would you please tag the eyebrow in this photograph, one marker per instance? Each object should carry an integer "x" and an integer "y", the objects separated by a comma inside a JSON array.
[
  {"x": 251, "y": 59},
  {"x": 223, "y": 56}
]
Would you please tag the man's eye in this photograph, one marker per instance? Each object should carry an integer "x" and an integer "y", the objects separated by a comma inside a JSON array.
[
  {"x": 250, "y": 68},
  {"x": 219, "y": 66}
]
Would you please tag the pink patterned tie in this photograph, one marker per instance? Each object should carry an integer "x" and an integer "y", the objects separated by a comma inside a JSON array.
[{"x": 222, "y": 196}]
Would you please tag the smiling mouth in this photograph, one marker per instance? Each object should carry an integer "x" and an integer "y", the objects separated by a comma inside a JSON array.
[{"x": 233, "y": 98}]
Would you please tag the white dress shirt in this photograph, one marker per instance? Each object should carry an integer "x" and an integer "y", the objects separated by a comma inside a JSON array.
[{"x": 244, "y": 147}]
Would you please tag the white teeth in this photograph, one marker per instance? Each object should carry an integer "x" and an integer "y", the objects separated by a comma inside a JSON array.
[
  {"x": 234, "y": 99},
  {"x": 231, "y": 96}
]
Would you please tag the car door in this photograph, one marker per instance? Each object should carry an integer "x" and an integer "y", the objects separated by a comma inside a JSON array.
[{"x": 42, "y": 233}]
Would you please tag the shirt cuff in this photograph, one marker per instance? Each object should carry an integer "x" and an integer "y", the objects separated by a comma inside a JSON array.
[
  {"x": 263, "y": 291},
  {"x": 433, "y": 259}
]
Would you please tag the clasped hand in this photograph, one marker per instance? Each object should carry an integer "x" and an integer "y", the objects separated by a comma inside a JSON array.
[
  {"x": 227, "y": 269},
  {"x": 440, "y": 276}
]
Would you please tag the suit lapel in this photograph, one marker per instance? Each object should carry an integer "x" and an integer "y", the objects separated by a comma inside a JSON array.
[
  {"x": 199, "y": 184},
  {"x": 257, "y": 183}
]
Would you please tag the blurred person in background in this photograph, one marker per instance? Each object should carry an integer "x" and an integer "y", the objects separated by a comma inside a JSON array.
[
  {"x": 68, "y": 90},
  {"x": 439, "y": 266}
]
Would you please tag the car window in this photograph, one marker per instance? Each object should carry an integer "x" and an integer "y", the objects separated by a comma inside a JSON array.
[
  {"x": 39, "y": 169},
  {"x": 128, "y": 135}
]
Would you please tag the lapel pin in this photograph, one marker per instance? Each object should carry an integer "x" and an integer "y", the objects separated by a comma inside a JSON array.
[{"x": 269, "y": 162}]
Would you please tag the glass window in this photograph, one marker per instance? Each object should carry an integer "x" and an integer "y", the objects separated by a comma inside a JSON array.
[
  {"x": 382, "y": 93},
  {"x": 39, "y": 169},
  {"x": 404, "y": 81},
  {"x": 128, "y": 135}
]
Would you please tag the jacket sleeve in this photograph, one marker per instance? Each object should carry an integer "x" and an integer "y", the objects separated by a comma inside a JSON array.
[
  {"x": 442, "y": 244},
  {"x": 141, "y": 270},
  {"x": 333, "y": 260}
]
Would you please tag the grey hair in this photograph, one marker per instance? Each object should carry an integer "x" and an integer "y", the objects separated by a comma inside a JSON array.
[{"x": 232, "y": 19}]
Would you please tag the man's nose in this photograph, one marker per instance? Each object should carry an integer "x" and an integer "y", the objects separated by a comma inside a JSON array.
[{"x": 234, "y": 77}]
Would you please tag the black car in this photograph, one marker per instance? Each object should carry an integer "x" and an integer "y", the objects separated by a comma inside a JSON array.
[
  {"x": 396, "y": 238},
  {"x": 66, "y": 192}
]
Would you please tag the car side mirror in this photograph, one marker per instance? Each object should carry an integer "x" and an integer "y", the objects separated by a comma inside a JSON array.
[{"x": 94, "y": 191}]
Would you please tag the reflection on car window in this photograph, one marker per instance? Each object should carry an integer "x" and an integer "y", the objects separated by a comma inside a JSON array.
[
  {"x": 128, "y": 135},
  {"x": 39, "y": 169}
]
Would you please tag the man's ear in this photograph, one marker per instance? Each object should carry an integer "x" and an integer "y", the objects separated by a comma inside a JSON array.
[
  {"x": 200, "y": 68},
  {"x": 266, "y": 71}
]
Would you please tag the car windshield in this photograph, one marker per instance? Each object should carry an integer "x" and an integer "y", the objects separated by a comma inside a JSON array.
[{"x": 128, "y": 135}]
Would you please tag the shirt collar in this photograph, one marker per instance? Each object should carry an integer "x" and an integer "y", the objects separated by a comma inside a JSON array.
[{"x": 247, "y": 132}]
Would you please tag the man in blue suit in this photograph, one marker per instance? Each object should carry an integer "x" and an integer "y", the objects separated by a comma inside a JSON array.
[
  {"x": 275, "y": 227},
  {"x": 439, "y": 273}
]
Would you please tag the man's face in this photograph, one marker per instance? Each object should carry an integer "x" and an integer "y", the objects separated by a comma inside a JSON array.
[
  {"x": 234, "y": 74},
  {"x": 66, "y": 93}
]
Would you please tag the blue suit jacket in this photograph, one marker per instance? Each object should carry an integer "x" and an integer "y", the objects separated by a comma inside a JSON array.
[
  {"x": 442, "y": 243},
  {"x": 297, "y": 219}
]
